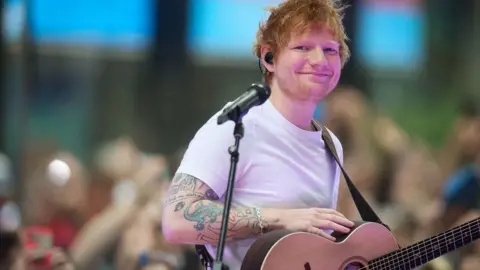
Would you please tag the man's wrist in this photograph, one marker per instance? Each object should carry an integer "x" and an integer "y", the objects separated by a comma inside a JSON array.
[{"x": 271, "y": 219}]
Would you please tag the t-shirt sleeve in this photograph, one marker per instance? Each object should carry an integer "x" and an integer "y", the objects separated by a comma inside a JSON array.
[
  {"x": 461, "y": 189},
  {"x": 207, "y": 157}
]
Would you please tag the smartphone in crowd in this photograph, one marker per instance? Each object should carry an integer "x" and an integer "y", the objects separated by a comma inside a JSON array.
[{"x": 38, "y": 242}]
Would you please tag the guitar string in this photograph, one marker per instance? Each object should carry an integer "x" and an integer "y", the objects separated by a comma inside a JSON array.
[
  {"x": 430, "y": 241},
  {"x": 407, "y": 250},
  {"x": 395, "y": 261},
  {"x": 426, "y": 244}
]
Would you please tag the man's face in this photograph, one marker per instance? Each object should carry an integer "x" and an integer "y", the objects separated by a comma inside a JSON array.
[{"x": 309, "y": 67}]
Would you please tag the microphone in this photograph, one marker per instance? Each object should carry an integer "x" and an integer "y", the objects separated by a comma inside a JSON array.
[{"x": 256, "y": 95}]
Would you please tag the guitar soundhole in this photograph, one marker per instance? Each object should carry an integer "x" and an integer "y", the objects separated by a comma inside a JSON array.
[{"x": 354, "y": 266}]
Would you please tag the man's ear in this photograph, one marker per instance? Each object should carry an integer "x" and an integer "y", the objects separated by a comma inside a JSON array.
[{"x": 267, "y": 57}]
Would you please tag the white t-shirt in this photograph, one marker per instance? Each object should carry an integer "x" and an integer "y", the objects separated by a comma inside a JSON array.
[{"x": 280, "y": 166}]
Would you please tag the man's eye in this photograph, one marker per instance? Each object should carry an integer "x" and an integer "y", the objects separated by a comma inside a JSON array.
[
  {"x": 302, "y": 48},
  {"x": 331, "y": 51}
]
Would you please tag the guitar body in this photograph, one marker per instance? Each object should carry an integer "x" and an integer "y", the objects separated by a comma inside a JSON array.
[{"x": 285, "y": 250}]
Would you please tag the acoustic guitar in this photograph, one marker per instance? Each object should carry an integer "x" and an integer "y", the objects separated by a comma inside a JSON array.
[{"x": 368, "y": 246}]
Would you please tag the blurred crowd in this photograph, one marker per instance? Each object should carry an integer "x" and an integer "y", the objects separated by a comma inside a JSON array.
[
  {"x": 418, "y": 190},
  {"x": 108, "y": 215}
]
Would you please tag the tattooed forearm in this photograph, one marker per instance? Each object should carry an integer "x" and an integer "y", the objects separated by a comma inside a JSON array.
[
  {"x": 207, "y": 218},
  {"x": 199, "y": 206},
  {"x": 202, "y": 212}
]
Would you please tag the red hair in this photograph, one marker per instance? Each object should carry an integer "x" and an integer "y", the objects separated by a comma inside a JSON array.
[{"x": 297, "y": 16}]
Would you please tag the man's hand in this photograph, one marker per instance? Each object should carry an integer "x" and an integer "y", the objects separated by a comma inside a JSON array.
[{"x": 312, "y": 220}]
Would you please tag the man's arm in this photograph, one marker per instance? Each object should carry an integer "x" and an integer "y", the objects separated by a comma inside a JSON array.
[
  {"x": 192, "y": 214},
  {"x": 100, "y": 233}
]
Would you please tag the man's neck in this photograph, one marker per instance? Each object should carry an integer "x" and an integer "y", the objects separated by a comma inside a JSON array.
[{"x": 300, "y": 113}]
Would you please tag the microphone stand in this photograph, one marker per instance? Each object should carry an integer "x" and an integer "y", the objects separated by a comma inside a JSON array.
[{"x": 238, "y": 133}]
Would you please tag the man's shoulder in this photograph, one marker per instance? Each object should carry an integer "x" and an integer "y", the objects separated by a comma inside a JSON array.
[
  {"x": 226, "y": 129},
  {"x": 213, "y": 135},
  {"x": 207, "y": 157},
  {"x": 463, "y": 179},
  {"x": 462, "y": 188}
]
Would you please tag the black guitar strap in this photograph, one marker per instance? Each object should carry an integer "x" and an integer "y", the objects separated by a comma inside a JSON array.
[
  {"x": 365, "y": 210},
  {"x": 205, "y": 258}
]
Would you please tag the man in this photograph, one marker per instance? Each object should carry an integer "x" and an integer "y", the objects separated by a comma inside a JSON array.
[
  {"x": 461, "y": 204},
  {"x": 285, "y": 177},
  {"x": 464, "y": 142},
  {"x": 461, "y": 194}
]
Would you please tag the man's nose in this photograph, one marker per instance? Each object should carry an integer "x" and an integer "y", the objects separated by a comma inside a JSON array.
[{"x": 317, "y": 57}]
